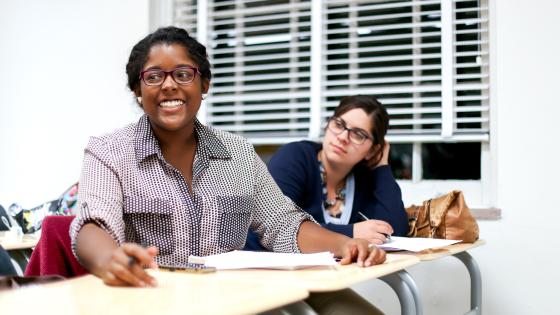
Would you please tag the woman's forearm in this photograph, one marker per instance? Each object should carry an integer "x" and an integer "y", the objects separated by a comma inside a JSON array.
[
  {"x": 313, "y": 238},
  {"x": 94, "y": 247}
]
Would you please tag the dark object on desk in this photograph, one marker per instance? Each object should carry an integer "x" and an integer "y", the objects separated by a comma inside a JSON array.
[
  {"x": 6, "y": 266},
  {"x": 190, "y": 268},
  {"x": 446, "y": 217},
  {"x": 14, "y": 282},
  {"x": 31, "y": 220},
  {"x": 53, "y": 254},
  {"x": 3, "y": 213}
]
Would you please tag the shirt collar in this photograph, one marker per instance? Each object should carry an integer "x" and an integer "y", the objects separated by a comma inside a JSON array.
[
  {"x": 146, "y": 143},
  {"x": 208, "y": 139}
]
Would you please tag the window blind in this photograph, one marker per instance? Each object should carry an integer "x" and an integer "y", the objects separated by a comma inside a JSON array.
[
  {"x": 427, "y": 61},
  {"x": 185, "y": 15},
  {"x": 260, "y": 55}
]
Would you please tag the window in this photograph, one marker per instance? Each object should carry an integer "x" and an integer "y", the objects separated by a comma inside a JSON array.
[{"x": 281, "y": 66}]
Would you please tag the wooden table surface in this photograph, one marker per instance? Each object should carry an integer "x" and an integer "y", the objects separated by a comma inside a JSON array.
[
  {"x": 176, "y": 293},
  {"x": 432, "y": 254},
  {"x": 27, "y": 242},
  {"x": 324, "y": 279},
  {"x": 222, "y": 292}
]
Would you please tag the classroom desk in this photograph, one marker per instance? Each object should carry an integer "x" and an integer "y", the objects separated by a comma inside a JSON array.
[
  {"x": 27, "y": 242},
  {"x": 20, "y": 251},
  {"x": 177, "y": 293},
  {"x": 460, "y": 252},
  {"x": 222, "y": 292},
  {"x": 336, "y": 278},
  {"x": 324, "y": 279}
]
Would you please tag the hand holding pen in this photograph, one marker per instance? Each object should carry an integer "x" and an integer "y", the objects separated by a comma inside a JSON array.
[
  {"x": 375, "y": 231},
  {"x": 126, "y": 265}
]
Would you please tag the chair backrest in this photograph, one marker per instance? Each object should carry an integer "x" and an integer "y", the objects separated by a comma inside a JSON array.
[{"x": 53, "y": 254}]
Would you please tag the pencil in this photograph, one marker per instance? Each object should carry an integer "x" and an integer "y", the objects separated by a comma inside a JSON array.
[{"x": 366, "y": 218}]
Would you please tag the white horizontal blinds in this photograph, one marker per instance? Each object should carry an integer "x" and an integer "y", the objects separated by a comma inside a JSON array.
[
  {"x": 260, "y": 54},
  {"x": 393, "y": 50},
  {"x": 185, "y": 15},
  {"x": 471, "y": 90},
  {"x": 390, "y": 49}
]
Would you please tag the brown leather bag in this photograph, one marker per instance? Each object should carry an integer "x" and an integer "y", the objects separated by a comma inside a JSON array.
[{"x": 446, "y": 217}]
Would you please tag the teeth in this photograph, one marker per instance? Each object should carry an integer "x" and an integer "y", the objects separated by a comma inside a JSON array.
[{"x": 173, "y": 103}]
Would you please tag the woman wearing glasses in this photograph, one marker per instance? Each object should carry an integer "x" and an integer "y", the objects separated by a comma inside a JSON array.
[
  {"x": 345, "y": 182},
  {"x": 168, "y": 187}
]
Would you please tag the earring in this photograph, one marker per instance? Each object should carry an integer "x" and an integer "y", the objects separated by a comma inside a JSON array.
[
  {"x": 204, "y": 96},
  {"x": 139, "y": 99}
]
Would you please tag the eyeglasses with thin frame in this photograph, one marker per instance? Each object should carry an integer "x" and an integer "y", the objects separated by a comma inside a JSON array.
[
  {"x": 181, "y": 75},
  {"x": 337, "y": 126}
]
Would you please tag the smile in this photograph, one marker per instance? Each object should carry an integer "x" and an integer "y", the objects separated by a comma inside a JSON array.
[{"x": 171, "y": 104}]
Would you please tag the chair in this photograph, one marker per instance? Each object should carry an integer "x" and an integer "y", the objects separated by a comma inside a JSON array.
[{"x": 53, "y": 254}]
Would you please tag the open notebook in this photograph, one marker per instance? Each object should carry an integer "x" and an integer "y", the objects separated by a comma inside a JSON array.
[{"x": 239, "y": 259}]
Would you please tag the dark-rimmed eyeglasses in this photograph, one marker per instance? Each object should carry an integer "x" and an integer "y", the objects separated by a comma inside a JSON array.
[
  {"x": 337, "y": 126},
  {"x": 181, "y": 75}
]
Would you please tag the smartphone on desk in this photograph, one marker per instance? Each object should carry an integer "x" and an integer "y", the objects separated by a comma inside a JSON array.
[{"x": 189, "y": 267}]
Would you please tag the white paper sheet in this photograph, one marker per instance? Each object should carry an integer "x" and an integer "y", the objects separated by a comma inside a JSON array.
[
  {"x": 247, "y": 259},
  {"x": 414, "y": 244}
]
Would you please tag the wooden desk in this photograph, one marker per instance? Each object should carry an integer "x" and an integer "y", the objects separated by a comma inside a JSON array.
[
  {"x": 27, "y": 242},
  {"x": 432, "y": 254},
  {"x": 324, "y": 279},
  {"x": 222, "y": 292},
  {"x": 177, "y": 293},
  {"x": 460, "y": 252},
  {"x": 341, "y": 277}
]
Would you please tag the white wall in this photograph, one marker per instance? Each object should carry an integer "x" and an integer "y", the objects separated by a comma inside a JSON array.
[
  {"x": 522, "y": 266},
  {"x": 520, "y": 262},
  {"x": 62, "y": 79},
  {"x": 45, "y": 121}
]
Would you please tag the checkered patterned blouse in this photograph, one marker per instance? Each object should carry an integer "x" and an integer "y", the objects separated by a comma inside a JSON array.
[{"x": 129, "y": 190}]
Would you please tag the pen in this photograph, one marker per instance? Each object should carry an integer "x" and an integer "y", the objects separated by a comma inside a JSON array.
[
  {"x": 363, "y": 216},
  {"x": 366, "y": 218},
  {"x": 133, "y": 260}
]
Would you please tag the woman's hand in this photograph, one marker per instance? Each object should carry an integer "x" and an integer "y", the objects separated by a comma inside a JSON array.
[
  {"x": 125, "y": 266},
  {"x": 361, "y": 251},
  {"x": 313, "y": 238},
  {"x": 373, "y": 231}
]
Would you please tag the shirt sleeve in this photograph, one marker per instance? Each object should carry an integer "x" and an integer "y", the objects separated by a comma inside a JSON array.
[
  {"x": 100, "y": 197},
  {"x": 277, "y": 219},
  {"x": 387, "y": 205}
]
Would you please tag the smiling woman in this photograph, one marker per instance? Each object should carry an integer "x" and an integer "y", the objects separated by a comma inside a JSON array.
[{"x": 168, "y": 187}]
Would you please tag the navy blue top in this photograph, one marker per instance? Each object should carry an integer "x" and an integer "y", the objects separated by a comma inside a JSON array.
[{"x": 377, "y": 195}]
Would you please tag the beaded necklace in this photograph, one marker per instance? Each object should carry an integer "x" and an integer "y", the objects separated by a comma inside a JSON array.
[{"x": 334, "y": 207}]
